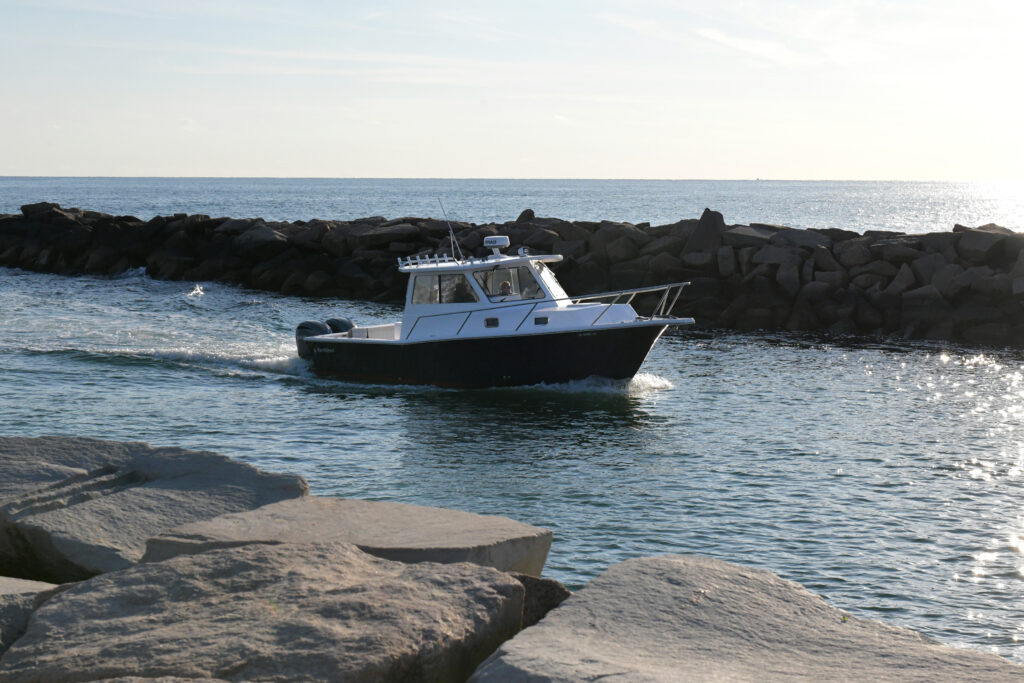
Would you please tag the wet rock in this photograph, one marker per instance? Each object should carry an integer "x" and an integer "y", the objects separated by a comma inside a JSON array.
[
  {"x": 272, "y": 613},
  {"x": 678, "y": 618},
  {"x": 74, "y": 507},
  {"x": 408, "y": 533}
]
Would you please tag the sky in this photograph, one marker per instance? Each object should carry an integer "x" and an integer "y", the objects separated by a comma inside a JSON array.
[{"x": 853, "y": 89}]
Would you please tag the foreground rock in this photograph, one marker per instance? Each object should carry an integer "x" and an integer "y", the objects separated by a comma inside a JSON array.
[
  {"x": 17, "y": 600},
  {"x": 272, "y": 613},
  {"x": 692, "y": 618},
  {"x": 71, "y": 508},
  {"x": 395, "y": 531}
]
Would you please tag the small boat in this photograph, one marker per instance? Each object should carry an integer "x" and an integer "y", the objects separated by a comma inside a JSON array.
[{"x": 500, "y": 320}]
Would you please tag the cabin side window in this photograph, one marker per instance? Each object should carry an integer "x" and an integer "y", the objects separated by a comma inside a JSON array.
[
  {"x": 506, "y": 284},
  {"x": 425, "y": 289},
  {"x": 448, "y": 288}
]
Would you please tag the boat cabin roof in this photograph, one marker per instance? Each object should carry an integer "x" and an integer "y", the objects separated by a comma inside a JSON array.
[{"x": 446, "y": 264}]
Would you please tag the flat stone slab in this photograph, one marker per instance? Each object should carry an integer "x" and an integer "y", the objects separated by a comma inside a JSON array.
[
  {"x": 395, "y": 531},
  {"x": 271, "y": 613},
  {"x": 71, "y": 508},
  {"x": 679, "y": 618}
]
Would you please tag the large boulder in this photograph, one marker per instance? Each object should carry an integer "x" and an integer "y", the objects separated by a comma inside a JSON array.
[
  {"x": 74, "y": 507},
  {"x": 272, "y": 613},
  {"x": 707, "y": 237},
  {"x": 678, "y": 618},
  {"x": 396, "y": 531}
]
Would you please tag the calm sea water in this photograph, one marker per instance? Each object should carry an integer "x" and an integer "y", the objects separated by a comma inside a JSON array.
[
  {"x": 888, "y": 479},
  {"x": 903, "y": 206}
]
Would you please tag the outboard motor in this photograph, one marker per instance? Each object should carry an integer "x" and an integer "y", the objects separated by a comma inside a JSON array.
[
  {"x": 309, "y": 328},
  {"x": 340, "y": 324}
]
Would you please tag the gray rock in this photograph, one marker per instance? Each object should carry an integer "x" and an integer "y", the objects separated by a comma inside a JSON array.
[
  {"x": 824, "y": 260},
  {"x": 925, "y": 267},
  {"x": 788, "y": 277},
  {"x": 272, "y": 613},
  {"x": 837, "y": 278},
  {"x": 776, "y": 255},
  {"x": 692, "y": 618},
  {"x": 665, "y": 264},
  {"x": 747, "y": 236},
  {"x": 371, "y": 237},
  {"x": 945, "y": 279},
  {"x": 853, "y": 252},
  {"x": 924, "y": 306},
  {"x": 74, "y": 507},
  {"x": 668, "y": 244},
  {"x": 622, "y": 249},
  {"x": 816, "y": 291},
  {"x": 260, "y": 240},
  {"x": 726, "y": 261},
  {"x": 707, "y": 237},
  {"x": 526, "y": 216},
  {"x": 997, "y": 285},
  {"x": 800, "y": 238},
  {"x": 979, "y": 245},
  {"x": 1018, "y": 288},
  {"x": 903, "y": 281},
  {"x": 898, "y": 251},
  {"x": 700, "y": 260},
  {"x": 396, "y": 531}
]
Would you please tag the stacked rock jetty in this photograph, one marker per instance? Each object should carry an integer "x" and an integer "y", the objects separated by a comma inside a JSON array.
[
  {"x": 965, "y": 285},
  {"x": 170, "y": 564}
]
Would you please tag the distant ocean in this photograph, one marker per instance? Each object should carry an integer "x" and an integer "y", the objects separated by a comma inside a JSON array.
[{"x": 912, "y": 207}]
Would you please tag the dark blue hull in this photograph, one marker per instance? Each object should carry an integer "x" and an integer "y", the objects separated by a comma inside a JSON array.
[{"x": 615, "y": 353}]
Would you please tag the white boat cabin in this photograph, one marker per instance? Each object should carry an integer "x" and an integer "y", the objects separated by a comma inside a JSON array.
[{"x": 498, "y": 295}]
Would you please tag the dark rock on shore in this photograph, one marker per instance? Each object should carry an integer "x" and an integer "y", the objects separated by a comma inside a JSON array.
[{"x": 746, "y": 277}]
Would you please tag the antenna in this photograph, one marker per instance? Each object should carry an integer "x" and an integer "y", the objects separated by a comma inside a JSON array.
[{"x": 456, "y": 249}]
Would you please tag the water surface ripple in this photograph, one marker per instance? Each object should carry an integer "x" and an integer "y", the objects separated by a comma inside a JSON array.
[{"x": 888, "y": 479}]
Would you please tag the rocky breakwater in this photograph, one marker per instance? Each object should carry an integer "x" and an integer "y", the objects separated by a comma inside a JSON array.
[
  {"x": 314, "y": 589},
  {"x": 301, "y": 588},
  {"x": 965, "y": 285}
]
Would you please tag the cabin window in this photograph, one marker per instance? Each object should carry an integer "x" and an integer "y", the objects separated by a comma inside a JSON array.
[
  {"x": 448, "y": 288},
  {"x": 507, "y": 284},
  {"x": 425, "y": 289},
  {"x": 455, "y": 289}
]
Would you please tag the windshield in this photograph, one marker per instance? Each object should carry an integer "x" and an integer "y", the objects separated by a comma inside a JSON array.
[{"x": 509, "y": 284}]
